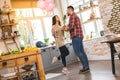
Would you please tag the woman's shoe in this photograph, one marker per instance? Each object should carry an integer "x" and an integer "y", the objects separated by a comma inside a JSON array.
[
  {"x": 55, "y": 59},
  {"x": 65, "y": 71}
]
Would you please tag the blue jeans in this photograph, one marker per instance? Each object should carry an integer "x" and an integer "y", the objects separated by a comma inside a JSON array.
[{"x": 79, "y": 50}]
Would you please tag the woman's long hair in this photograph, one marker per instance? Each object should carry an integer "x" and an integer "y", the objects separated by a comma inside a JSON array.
[{"x": 54, "y": 20}]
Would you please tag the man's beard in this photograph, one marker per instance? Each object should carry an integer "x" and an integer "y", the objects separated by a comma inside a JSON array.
[{"x": 68, "y": 14}]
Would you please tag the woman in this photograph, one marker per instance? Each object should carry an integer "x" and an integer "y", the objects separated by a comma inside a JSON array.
[{"x": 58, "y": 34}]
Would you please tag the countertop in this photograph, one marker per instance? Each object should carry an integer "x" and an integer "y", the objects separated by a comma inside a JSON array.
[{"x": 50, "y": 46}]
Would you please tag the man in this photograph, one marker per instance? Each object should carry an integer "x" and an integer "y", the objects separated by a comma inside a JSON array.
[{"x": 76, "y": 34}]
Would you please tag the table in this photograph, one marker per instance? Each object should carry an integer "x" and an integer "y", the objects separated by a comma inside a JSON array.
[
  {"x": 17, "y": 60},
  {"x": 113, "y": 50}
]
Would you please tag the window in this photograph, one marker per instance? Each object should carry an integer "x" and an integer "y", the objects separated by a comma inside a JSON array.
[
  {"x": 32, "y": 25},
  {"x": 85, "y": 15},
  {"x": 90, "y": 30},
  {"x": 70, "y": 2},
  {"x": 86, "y": 0},
  {"x": 37, "y": 30},
  {"x": 48, "y": 27},
  {"x": 90, "y": 27}
]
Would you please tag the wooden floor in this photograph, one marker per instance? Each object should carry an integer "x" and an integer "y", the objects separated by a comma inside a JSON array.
[{"x": 100, "y": 70}]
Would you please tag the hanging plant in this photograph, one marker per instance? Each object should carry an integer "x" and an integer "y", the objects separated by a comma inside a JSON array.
[
  {"x": 66, "y": 33},
  {"x": 46, "y": 40}
]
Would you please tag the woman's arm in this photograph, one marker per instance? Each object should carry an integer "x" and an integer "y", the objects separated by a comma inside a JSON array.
[
  {"x": 53, "y": 33},
  {"x": 62, "y": 30},
  {"x": 71, "y": 24}
]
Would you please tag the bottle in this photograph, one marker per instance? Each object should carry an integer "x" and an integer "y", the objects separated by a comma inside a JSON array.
[
  {"x": 0, "y": 16},
  {"x": 0, "y": 52},
  {"x": 80, "y": 8},
  {"x": 0, "y": 11},
  {"x": 91, "y": 35}
]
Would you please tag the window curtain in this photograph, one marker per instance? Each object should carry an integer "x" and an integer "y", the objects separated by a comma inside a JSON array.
[{"x": 24, "y": 3}]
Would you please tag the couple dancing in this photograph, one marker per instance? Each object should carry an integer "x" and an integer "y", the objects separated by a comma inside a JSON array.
[{"x": 76, "y": 35}]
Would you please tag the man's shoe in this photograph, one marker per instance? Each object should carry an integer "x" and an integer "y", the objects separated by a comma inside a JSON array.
[{"x": 84, "y": 71}]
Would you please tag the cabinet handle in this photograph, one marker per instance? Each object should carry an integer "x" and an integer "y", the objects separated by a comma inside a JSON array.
[
  {"x": 119, "y": 56},
  {"x": 26, "y": 58},
  {"x": 4, "y": 63},
  {"x": 53, "y": 48},
  {"x": 70, "y": 44},
  {"x": 44, "y": 50}
]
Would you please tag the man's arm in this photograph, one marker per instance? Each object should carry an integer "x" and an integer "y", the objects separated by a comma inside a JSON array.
[{"x": 71, "y": 23}]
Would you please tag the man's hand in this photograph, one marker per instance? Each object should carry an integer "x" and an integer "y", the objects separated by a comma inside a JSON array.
[{"x": 65, "y": 28}]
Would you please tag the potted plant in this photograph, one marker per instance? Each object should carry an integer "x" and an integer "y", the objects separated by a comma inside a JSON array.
[
  {"x": 64, "y": 19},
  {"x": 67, "y": 34},
  {"x": 46, "y": 40}
]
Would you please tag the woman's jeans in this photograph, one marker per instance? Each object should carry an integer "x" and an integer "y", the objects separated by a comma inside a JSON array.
[{"x": 79, "y": 50}]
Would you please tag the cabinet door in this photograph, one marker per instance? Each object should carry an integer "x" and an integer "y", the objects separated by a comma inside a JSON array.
[
  {"x": 46, "y": 58},
  {"x": 55, "y": 53},
  {"x": 73, "y": 57}
]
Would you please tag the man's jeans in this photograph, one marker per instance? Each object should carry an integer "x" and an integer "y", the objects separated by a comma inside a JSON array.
[{"x": 79, "y": 50}]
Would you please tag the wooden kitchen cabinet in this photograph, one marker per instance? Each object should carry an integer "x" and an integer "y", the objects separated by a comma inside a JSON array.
[
  {"x": 26, "y": 60},
  {"x": 17, "y": 60},
  {"x": 46, "y": 58},
  {"x": 7, "y": 64},
  {"x": 49, "y": 52},
  {"x": 73, "y": 57},
  {"x": 54, "y": 51}
]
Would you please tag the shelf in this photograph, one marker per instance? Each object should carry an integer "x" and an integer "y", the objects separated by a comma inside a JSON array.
[
  {"x": 26, "y": 72},
  {"x": 87, "y": 9},
  {"x": 15, "y": 56},
  {"x": 9, "y": 75},
  {"x": 6, "y": 67},
  {"x": 5, "y": 25},
  {"x": 88, "y": 21},
  {"x": 13, "y": 37},
  {"x": 10, "y": 37},
  {"x": 7, "y": 12}
]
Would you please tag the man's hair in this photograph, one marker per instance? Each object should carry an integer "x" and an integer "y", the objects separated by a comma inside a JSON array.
[{"x": 71, "y": 7}]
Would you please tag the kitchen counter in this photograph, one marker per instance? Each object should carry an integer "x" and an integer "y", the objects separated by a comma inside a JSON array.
[
  {"x": 49, "y": 52},
  {"x": 94, "y": 38},
  {"x": 50, "y": 46}
]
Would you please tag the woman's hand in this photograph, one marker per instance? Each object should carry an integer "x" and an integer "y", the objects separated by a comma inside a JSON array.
[{"x": 65, "y": 28}]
